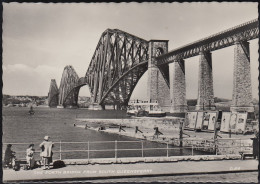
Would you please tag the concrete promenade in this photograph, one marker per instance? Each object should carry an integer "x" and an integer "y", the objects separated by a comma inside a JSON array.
[{"x": 98, "y": 171}]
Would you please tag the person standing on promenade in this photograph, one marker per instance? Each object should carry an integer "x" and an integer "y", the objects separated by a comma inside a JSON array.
[
  {"x": 29, "y": 156},
  {"x": 46, "y": 153}
]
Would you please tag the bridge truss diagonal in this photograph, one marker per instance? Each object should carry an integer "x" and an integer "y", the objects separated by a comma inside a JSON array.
[{"x": 119, "y": 61}]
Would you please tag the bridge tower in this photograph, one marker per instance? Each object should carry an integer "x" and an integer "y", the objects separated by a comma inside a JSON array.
[
  {"x": 53, "y": 95},
  {"x": 242, "y": 89},
  {"x": 68, "y": 93},
  {"x": 157, "y": 88}
]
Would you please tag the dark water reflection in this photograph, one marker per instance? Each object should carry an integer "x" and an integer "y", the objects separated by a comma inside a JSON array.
[{"x": 19, "y": 127}]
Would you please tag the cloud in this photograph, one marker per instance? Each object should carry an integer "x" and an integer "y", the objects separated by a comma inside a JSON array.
[
  {"x": 25, "y": 80},
  {"x": 44, "y": 70},
  {"x": 17, "y": 68}
]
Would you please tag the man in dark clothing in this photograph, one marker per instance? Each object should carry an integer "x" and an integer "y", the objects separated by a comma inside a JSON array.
[{"x": 9, "y": 156}]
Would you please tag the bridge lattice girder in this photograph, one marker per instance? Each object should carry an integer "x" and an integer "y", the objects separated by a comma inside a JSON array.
[
  {"x": 68, "y": 92},
  {"x": 119, "y": 61},
  {"x": 246, "y": 31},
  {"x": 53, "y": 95}
]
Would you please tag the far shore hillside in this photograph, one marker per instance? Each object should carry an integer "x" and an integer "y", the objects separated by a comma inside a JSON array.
[{"x": 24, "y": 100}]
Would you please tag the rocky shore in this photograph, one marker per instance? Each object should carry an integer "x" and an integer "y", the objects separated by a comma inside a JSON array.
[{"x": 169, "y": 127}]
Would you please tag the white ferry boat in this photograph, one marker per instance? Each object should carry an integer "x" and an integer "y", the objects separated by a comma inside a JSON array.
[
  {"x": 145, "y": 108},
  {"x": 95, "y": 107}
]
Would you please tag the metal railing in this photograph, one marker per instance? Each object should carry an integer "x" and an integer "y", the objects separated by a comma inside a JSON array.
[{"x": 116, "y": 150}]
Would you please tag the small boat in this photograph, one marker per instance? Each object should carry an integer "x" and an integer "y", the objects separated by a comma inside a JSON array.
[
  {"x": 145, "y": 108},
  {"x": 31, "y": 111}
]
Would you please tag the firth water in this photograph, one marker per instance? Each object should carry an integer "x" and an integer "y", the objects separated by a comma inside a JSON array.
[{"x": 19, "y": 127}]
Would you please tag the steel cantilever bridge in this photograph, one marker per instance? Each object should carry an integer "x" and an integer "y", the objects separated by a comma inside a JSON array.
[{"x": 120, "y": 59}]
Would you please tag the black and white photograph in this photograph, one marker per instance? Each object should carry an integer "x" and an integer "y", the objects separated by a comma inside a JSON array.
[{"x": 130, "y": 92}]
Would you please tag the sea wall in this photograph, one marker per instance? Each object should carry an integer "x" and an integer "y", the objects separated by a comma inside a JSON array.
[{"x": 223, "y": 146}]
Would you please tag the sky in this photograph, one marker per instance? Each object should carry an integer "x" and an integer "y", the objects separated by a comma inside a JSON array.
[{"x": 40, "y": 39}]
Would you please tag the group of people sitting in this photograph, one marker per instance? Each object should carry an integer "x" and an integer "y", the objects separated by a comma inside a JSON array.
[{"x": 45, "y": 154}]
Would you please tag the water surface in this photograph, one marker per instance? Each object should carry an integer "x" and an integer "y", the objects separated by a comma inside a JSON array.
[{"x": 19, "y": 127}]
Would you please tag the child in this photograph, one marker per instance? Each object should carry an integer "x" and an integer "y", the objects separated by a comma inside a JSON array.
[{"x": 29, "y": 156}]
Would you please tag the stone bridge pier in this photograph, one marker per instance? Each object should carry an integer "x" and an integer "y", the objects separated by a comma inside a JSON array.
[
  {"x": 178, "y": 87},
  {"x": 205, "y": 100},
  {"x": 242, "y": 89}
]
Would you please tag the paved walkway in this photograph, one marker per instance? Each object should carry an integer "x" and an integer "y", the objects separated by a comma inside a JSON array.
[
  {"x": 81, "y": 172},
  {"x": 235, "y": 177}
]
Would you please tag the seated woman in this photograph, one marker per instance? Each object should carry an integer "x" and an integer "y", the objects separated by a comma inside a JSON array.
[
  {"x": 29, "y": 156},
  {"x": 9, "y": 158}
]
